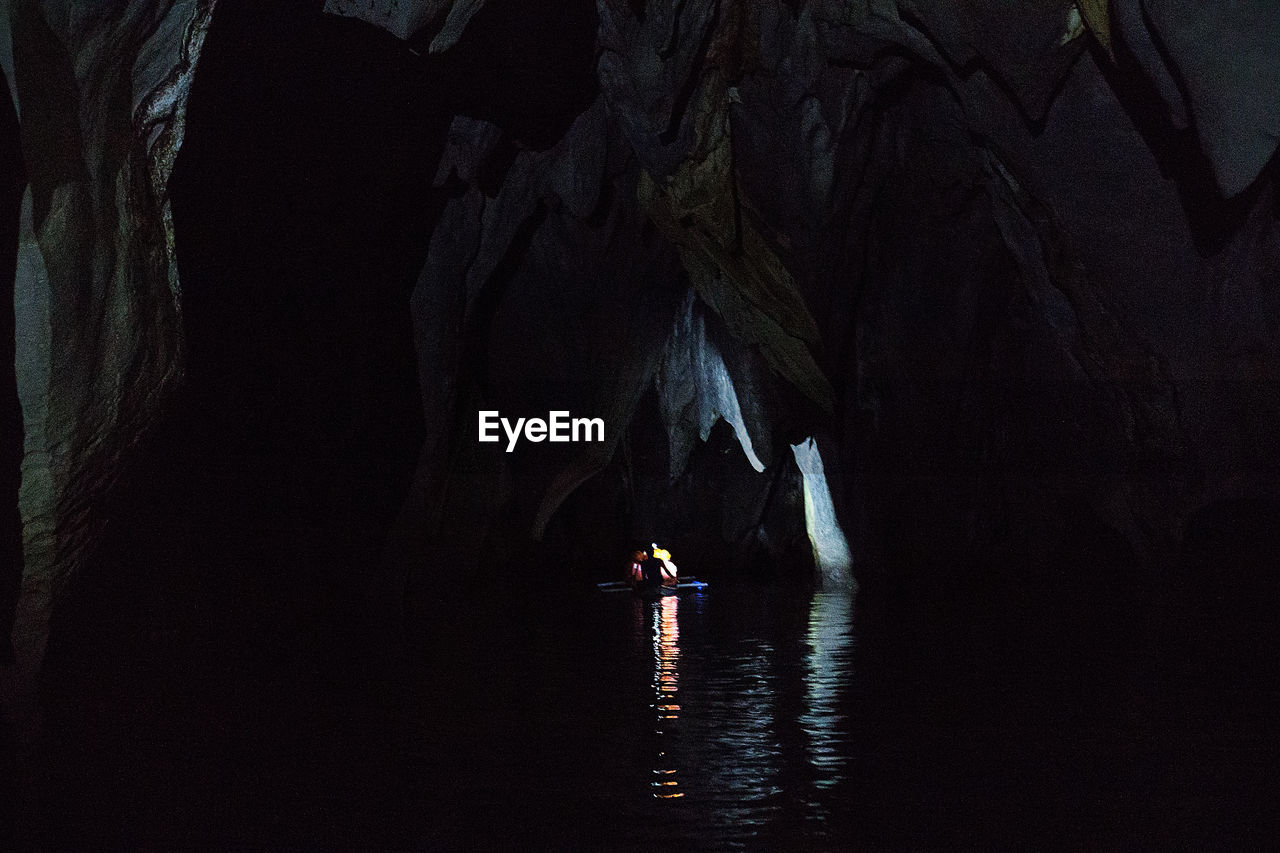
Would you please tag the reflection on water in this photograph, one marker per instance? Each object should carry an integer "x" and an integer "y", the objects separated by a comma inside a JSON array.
[
  {"x": 826, "y": 669},
  {"x": 714, "y": 721},
  {"x": 666, "y": 686},
  {"x": 747, "y": 712}
]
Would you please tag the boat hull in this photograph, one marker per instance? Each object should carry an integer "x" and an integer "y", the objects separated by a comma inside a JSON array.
[{"x": 685, "y": 584}]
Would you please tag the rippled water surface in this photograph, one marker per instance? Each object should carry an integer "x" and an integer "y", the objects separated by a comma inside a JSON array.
[
  {"x": 747, "y": 717},
  {"x": 717, "y": 720}
]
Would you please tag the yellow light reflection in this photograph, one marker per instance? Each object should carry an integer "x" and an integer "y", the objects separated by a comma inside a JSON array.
[{"x": 665, "y": 633}]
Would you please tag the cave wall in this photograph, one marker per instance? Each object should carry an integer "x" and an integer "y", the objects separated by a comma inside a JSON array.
[
  {"x": 1022, "y": 258},
  {"x": 1007, "y": 272},
  {"x": 12, "y": 181},
  {"x": 1012, "y": 271},
  {"x": 100, "y": 90},
  {"x": 573, "y": 301},
  {"x": 576, "y": 299}
]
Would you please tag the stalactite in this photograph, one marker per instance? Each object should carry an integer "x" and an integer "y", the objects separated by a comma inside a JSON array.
[{"x": 695, "y": 390}]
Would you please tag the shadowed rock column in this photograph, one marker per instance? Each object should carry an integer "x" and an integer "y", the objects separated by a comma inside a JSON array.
[
  {"x": 97, "y": 141},
  {"x": 12, "y": 180}
]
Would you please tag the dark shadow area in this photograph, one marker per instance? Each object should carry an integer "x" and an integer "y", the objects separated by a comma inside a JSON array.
[
  {"x": 1214, "y": 220},
  {"x": 213, "y": 674},
  {"x": 1092, "y": 722},
  {"x": 1226, "y": 595},
  {"x": 12, "y": 183},
  {"x": 1014, "y": 673},
  {"x": 202, "y": 645}
]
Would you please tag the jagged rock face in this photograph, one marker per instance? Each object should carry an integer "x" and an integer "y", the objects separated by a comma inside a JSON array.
[
  {"x": 1010, "y": 383},
  {"x": 1227, "y": 62},
  {"x": 11, "y": 431},
  {"x": 1012, "y": 271},
  {"x": 572, "y": 301},
  {"x": 101, "y": 90}
]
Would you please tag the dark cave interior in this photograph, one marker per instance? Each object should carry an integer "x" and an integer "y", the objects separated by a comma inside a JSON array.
[{"x": 1015, "y": 287}]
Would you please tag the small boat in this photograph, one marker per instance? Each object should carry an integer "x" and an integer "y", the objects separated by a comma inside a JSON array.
[{"x": 652, "y": 591}]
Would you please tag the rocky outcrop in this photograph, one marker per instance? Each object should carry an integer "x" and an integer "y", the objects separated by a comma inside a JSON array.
[
  {"x": 101, "y": 93},
  {"x": 12, "y": 182},
  {"x": 916, "y": 176},
  {"x": 903, "y": 230},
  {"x": 1225, "y": 61}
]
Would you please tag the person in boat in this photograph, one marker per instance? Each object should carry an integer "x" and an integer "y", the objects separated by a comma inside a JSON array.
[
  {"x": 636, "y": 573},
  {"x": 669, "y": 572},
  {"x": 657, "y": 570}
]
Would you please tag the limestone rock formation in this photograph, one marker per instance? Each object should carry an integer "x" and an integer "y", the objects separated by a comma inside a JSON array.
[
  {"x": 1011, "y": 271},
  {"x": 100, "y": 92},
  {"x": 972, "y": 305},
  {"x": 12, "y": 182}
]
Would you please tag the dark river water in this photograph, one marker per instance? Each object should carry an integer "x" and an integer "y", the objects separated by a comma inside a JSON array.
[
  {"x": 747, "y": 717},
  {"x": 765, "y": 718},
  {"x": 716, "y": 720}
]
